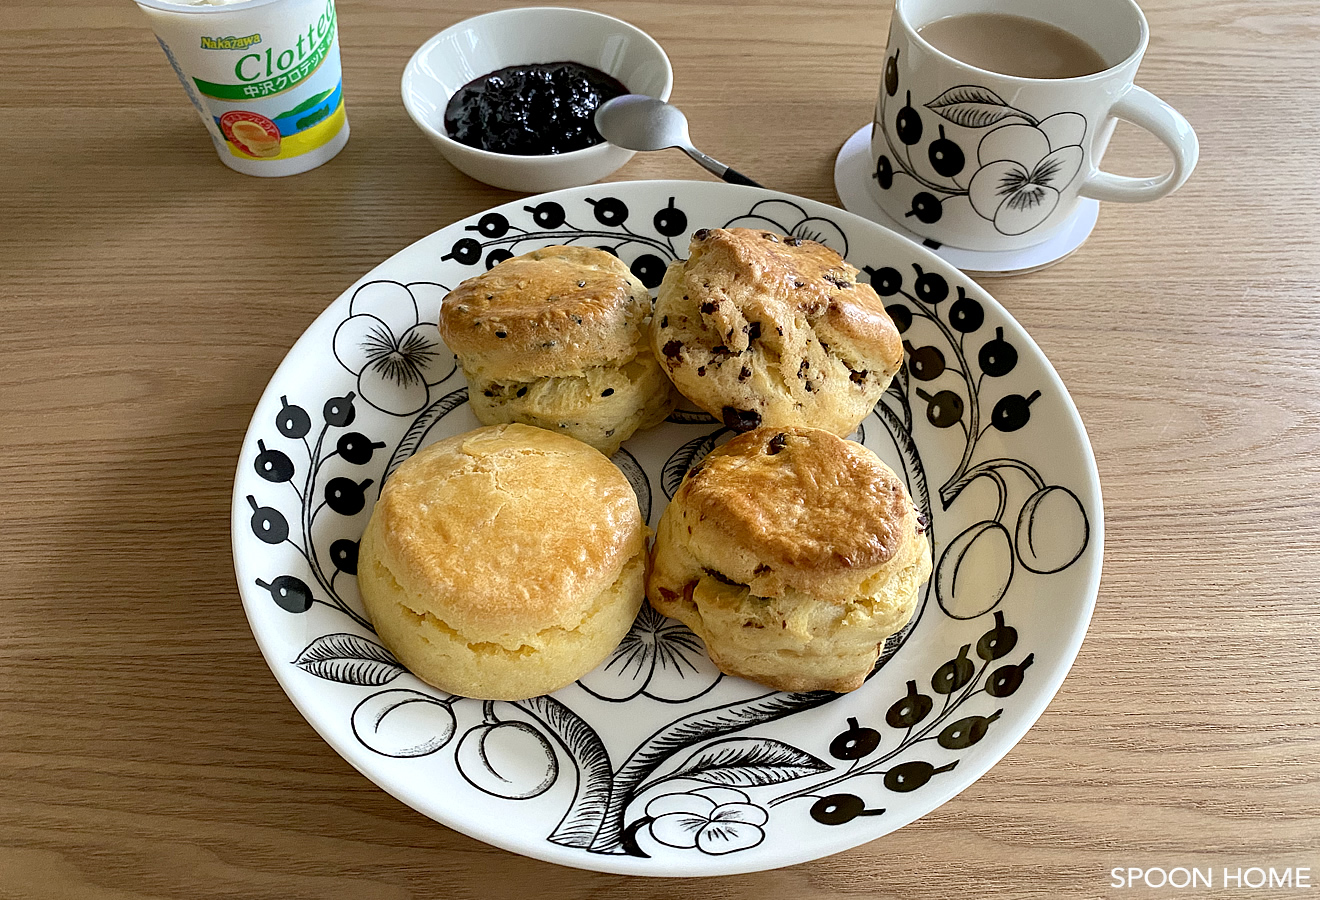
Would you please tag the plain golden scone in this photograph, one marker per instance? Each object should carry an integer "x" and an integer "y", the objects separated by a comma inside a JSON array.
[
  {"x": 557, "y": 338},
  {"x": 504, "y": 563},
  {"x": 793, "y": 554},
  {"x": 761, "y": 329}
]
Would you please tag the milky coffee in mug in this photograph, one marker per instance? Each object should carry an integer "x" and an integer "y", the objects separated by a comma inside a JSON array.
[
  {"x": 989, "y": 129},
  {"x": 1013, "y": 45}
]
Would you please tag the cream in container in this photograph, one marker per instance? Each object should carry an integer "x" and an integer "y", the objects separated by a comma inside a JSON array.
[{"x": 263, "y": 74}]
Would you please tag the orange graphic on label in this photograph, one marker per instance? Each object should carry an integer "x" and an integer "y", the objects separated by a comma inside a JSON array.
[{"x": 252, "y": 133}]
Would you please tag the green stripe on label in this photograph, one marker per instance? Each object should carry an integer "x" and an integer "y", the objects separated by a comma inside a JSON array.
[{"x": 275, "y": 85}]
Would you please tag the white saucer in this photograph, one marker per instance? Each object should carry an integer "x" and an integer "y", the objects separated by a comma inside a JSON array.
[{"x": 852, "y": 174}]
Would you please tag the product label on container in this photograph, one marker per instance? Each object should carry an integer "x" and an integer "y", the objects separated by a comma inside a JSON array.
[{"x": 273, "y": 92}]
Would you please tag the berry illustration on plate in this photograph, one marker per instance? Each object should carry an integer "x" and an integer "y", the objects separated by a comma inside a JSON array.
[
  {"x": 966, "y": 314},
  {"x": 908, "y": 124},
  {"x": 925, "y": 363},
  {"x": 946, "y": 157},
  {"x": 891, "y": 74},
  {"x": 293, "y": 421},
  {"x": 609, "y": 210},
  {"x": 926, "y": 207},
  {"x": 497, "y": 256},
  {"x": 840, "y": 809},
  {"x": 649, "y": 269},
  {"x": 911, "y": 775},
  {"x": 944, "y": 409},
  {"x": 985, "y": 549},
  {"x": 465, "y": 250},
  {"x": 339, "y": 412},
  {"x": 1052, "y": 530},
  {"x": 886, "y": 280},
  {"x": 357, "y": 448},
  {"x": 931, "y": 287},
  {"x": 267, "y": 522},
  {"x": 547, "y": 215},
  {"x": 403, "y": 724},
  {"x": 273, "y": 465},
  {"x": 910, "y": 709},
  {"x": 491, "y": 225},
  {"x": 511, "y": 760},
  {"x": 1005, "y": 680},
  {"x": 291, "y": 594},
  {"x": 963, "y": 733},
  {"x": 670, "y": 221},
  {"x": 854, "y": 743},
  {"x": 1013, "y": 412},
  {"x": 346, "y": 496},
  {"x": 997, "y": 357},
  {"x": 954, "y": 674},
  {"x": 998, "y": 642},
  {"x": 344, "y": 554},
  {"x": 901, "y": 316}
]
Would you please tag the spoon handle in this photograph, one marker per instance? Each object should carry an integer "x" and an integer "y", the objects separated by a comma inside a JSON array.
[
  {"x": 715, "y": 167},
  {"x": 733, "y": 176}
]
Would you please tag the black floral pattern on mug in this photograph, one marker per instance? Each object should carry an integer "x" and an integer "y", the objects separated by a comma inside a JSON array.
[
  {"x": 1023, "y": 163},
  {"x": 1023, "y": 170}
]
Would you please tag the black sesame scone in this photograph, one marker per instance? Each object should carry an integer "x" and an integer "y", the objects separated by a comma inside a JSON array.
[
  {"x": 556, "y": 338},
  {"x": 761, "y": 329}
]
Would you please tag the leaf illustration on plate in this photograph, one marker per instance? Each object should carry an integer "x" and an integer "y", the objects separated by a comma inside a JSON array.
[
  {"x": 975, "y": 107},
  {"x": 676, "y": 467},
  {"x": 749, "y": 762},
  {"x": 636, "y": 475},
  {"x": 421, "y": 425},
  {"x": 350, "y": 659},
  {"x": 692, "y": 417},
  {"x": 595, "y": 774}
]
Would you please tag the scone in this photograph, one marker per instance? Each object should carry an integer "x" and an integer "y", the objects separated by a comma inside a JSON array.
[
  {"x": 793, "y": 554},
  {"x": 557, "y": 338},
  {"x": 761, "y": 329},
  {"x": 504, "y": 563}
]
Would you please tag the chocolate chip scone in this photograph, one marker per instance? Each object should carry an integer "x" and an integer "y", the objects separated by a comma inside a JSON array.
[
  {"x": 556, "y": 338},
  {"x": 761, "y": 329}
]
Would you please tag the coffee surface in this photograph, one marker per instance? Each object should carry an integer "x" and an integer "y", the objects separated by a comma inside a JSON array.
[{"x": 1013, "y": 45}]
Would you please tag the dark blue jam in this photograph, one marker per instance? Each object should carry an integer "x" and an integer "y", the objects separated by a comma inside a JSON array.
[{"x": 531, "y": 110}]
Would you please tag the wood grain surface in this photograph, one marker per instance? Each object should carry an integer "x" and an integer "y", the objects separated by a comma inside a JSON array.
[{"x": 147, "y": 294}]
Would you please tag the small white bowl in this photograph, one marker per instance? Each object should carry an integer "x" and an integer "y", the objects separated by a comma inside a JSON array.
[{"x": 482, "y": 44}]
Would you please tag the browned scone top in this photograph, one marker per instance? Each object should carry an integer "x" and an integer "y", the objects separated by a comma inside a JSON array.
[
  {"x": 796, "y": 507},
  {"x": 763, "y": 270},
  {"x": 794, "y": 554},
  {"x": 758, "y": 329},
  {"x": 506, "y": 530},
  {"x": 545, "y": 312}
]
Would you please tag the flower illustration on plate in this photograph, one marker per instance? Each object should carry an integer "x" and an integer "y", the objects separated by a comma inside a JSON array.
[
  {"x": 658, "y": 658},
  {"x": 714, "y": 820},
  {"x": 1023, "y": 170},
  {"x": 786, "y": 217},
  {"x": 391, "y": 343}
]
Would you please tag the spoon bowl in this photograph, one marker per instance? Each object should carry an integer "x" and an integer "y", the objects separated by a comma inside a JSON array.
[{"x": 638, "y": 122}]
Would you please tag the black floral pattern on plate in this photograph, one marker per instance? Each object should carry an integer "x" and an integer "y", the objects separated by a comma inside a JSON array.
[{"x": 708, "y": 780}]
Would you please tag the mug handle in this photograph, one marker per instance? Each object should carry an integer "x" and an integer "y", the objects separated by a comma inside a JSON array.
[{"x": 1143, "y": 109}]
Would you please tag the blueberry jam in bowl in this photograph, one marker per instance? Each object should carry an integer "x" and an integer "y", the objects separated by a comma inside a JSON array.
[{"x": 531, "y": 112}]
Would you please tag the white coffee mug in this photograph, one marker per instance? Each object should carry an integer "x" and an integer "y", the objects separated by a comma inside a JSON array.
[{"x": 974, "y": 159}]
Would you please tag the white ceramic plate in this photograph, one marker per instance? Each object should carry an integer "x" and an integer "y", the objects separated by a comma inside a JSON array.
[{"x": 655, "y": 764}]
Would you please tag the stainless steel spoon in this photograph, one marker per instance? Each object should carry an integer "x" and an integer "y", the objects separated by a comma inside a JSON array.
[{"x": 636, "y": 122}]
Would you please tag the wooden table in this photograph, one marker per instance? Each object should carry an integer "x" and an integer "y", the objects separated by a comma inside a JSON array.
[{"x": 148, "y": 293}]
